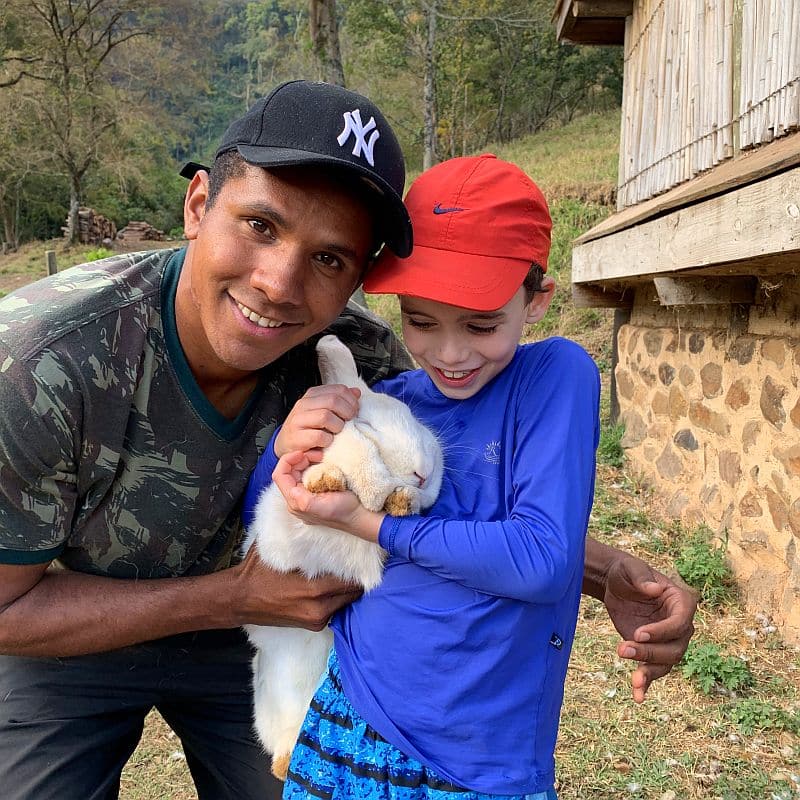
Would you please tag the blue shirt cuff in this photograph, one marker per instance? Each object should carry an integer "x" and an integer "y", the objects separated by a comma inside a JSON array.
[{"x": 395, "y": 535}]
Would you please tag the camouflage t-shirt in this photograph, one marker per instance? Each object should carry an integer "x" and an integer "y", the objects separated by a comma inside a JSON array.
[{"x": 112, "y": 460}]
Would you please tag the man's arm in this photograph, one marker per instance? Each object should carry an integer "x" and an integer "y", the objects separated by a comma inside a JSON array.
[
  {"x": 652, "y": 613},
  {"x": 60, "y": 613}
]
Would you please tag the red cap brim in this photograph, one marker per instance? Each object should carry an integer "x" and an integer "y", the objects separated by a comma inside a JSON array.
[{"x": 477, "y": 282}]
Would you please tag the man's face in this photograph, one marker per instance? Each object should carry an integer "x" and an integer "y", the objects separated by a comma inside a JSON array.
[{"x": 272, "y": 262}]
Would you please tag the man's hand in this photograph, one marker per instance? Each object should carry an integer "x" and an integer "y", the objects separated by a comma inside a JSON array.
[
  {"x": 652, "y": 613},
  {"x": 268, "y": 597},
  {"x": 319, "y": 414},
  {"x": 654, "y": 617}
]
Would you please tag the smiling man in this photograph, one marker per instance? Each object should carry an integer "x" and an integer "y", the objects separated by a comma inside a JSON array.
[{"x": 137, "y": 394}]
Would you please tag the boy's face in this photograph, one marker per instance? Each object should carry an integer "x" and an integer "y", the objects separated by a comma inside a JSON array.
[{"x": 461, "y": 349}]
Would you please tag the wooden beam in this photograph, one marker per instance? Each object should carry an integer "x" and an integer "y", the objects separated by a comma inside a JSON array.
[
  {"x": 705, "y": 291},
  {"x": 592, "y": 22},
  {"x": 601, "y": 10},
  {"x": 588, "y": 296},
  {"x": 757, "y": 220},
  {"x": 748, "y": 167}
]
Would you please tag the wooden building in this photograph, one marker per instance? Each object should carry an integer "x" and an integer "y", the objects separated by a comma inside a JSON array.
[{"x": 702, "y": 262}]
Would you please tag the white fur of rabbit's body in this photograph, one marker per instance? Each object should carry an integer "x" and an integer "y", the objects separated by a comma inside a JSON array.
[{"x": 391, "y": 461}]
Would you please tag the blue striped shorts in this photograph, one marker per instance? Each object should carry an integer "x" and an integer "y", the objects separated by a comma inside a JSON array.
[{"x": 338, "y": 756}]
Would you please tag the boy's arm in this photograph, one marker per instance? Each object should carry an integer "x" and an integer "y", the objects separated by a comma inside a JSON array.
[{"x": 652, "y": 613}]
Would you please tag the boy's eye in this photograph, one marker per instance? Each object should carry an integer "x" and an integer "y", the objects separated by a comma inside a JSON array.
[
  {"x": 419, "y": 324},
  {"x": 482, "y": 329}
]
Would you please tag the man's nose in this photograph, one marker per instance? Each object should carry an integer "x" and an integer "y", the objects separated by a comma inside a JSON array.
[{"x": 278, "y": 273}]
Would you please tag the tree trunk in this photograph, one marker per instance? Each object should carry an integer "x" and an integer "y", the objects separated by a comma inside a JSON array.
[
  {"x": 71, "y": 233},
  {"x": 429, "y": 97},
  {"x": 325, "y": 40}
]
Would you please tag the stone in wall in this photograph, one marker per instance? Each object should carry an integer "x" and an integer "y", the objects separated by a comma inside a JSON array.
[
  {"x": 771, "y": 402},
  {"x": 669, "y": 463},
  {"x": 685, "y": 439},
  {"x": 666, "y": 374},
  {"x": 711, "y": 380},
  {"x": 700, "y": 414},
  {"x": 730, "y": 467},
  {"x": 738, "y": 396},
  {"x": 774, "y": 350}
]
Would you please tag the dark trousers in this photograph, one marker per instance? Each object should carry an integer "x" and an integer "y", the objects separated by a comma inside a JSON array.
[{"x": 68, "y": 725}]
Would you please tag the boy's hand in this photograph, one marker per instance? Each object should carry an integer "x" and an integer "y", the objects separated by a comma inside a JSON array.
[
  {"x": 339, "y": 510},
  {"x": 653, "y": 614},
  {"x": 319, "y": 414}
]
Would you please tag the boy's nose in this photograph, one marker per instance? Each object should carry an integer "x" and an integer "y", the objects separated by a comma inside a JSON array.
[{"x": 452, "y": 351}]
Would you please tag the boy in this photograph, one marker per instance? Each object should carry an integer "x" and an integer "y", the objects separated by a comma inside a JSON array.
[{"x": 448, "y": 677}]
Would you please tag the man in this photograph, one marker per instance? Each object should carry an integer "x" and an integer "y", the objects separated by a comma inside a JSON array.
[{"x": 137, "y": 393}]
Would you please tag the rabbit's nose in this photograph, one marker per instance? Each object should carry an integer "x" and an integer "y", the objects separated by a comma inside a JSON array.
[{"x": 421, "y": 479}]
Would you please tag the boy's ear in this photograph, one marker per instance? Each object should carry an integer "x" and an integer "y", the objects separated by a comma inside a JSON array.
[
  {"x": 194, "y": 204},
  {"x": 540, "y": 302}
]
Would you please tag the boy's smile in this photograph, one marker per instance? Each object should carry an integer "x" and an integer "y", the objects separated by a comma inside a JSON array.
[{"x": 461, "y": 349}]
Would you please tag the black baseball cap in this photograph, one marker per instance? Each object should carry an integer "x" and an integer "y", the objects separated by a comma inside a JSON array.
[{"x": 309, "y": 123}]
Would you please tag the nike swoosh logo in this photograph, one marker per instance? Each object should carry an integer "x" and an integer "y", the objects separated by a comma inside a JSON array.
[{"x": 437, "y": 209}]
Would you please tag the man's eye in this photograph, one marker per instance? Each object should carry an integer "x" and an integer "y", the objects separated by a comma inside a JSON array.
[
  {"x": 259, "y": 226},
  {"x": 327, "y": 260},
  {"x": 481, "y": 330}
]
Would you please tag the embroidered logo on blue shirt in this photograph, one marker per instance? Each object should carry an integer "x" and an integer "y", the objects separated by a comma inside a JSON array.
[
  {"x": 491, "y": 452},
  {"x": 556, "y": 641}
]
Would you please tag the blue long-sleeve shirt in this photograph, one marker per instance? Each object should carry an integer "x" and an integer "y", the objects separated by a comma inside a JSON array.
[{"x": 459, "y": 657}]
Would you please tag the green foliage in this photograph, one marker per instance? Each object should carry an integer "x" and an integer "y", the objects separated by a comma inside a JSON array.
[
  {"x": 708, "y": 667},
  {"x": 750, "y": 714},
  {"x": 610, "y": 450},
  {"x": 703, "y": 567},
  {"x": 97, "y": 253}
]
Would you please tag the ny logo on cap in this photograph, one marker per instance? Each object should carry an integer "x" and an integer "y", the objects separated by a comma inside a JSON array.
[{"x": 353, "y": 126}]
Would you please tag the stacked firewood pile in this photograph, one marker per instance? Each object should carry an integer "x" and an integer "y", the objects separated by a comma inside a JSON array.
[
  {"x": 93, "y": 228},
  {"x": 140, "y": 231}
]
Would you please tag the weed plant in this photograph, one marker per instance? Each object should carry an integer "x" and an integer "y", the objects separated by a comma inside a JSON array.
[
  {"x": 703, "y": 567},
  {"x": 710, "y": 669}
]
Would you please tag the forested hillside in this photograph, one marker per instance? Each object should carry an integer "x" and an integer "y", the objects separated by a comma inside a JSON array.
[{"x": 102, "y": 100}]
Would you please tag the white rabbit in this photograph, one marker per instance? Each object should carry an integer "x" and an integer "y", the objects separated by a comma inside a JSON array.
[{"x": 390, "y": 461}]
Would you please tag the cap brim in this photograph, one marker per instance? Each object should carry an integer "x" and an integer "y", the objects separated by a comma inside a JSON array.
[
  {"x": 477, "y": 282},
  {"x": 190, "y": 168}
]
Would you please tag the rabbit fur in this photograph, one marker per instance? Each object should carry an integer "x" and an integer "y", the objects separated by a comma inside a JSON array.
[{"x": 390, "y": 461}]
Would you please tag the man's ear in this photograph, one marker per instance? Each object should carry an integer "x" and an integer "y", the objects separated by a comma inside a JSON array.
[
  {"x": 194, "y": 204},
  {"x": 540, "y": 302}
]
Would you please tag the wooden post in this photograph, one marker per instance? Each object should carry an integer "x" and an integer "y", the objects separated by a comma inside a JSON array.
[
  {"x": 52, "y": 266},
  {"x": 622, "y": 316}
]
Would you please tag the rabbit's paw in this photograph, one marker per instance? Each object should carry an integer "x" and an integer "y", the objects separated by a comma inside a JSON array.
[
  {"x": 280, "y": 765},
  {"x": 402, "y": 502},
  {"x": 319, "y": 478}
]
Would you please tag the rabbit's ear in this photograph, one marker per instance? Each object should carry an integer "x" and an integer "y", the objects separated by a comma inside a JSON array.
[{"x": 336, "y": 363}]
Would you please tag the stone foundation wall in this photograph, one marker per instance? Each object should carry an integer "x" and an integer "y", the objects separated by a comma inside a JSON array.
[{"x": 711, "y": 404}]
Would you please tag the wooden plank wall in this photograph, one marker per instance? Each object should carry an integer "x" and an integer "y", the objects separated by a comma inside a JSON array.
[{"x": 703, "y": 79}]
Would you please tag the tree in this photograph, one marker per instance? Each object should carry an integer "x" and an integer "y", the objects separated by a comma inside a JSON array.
[
  {"x": 68, "y": 67},
  {"x": 324, "y": 32}
]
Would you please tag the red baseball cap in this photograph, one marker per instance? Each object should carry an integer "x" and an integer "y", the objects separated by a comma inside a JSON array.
[{"x": 479, "y": 223}]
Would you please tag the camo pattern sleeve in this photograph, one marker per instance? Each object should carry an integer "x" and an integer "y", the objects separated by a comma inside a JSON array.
[{"x": 377, "y": 351}]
